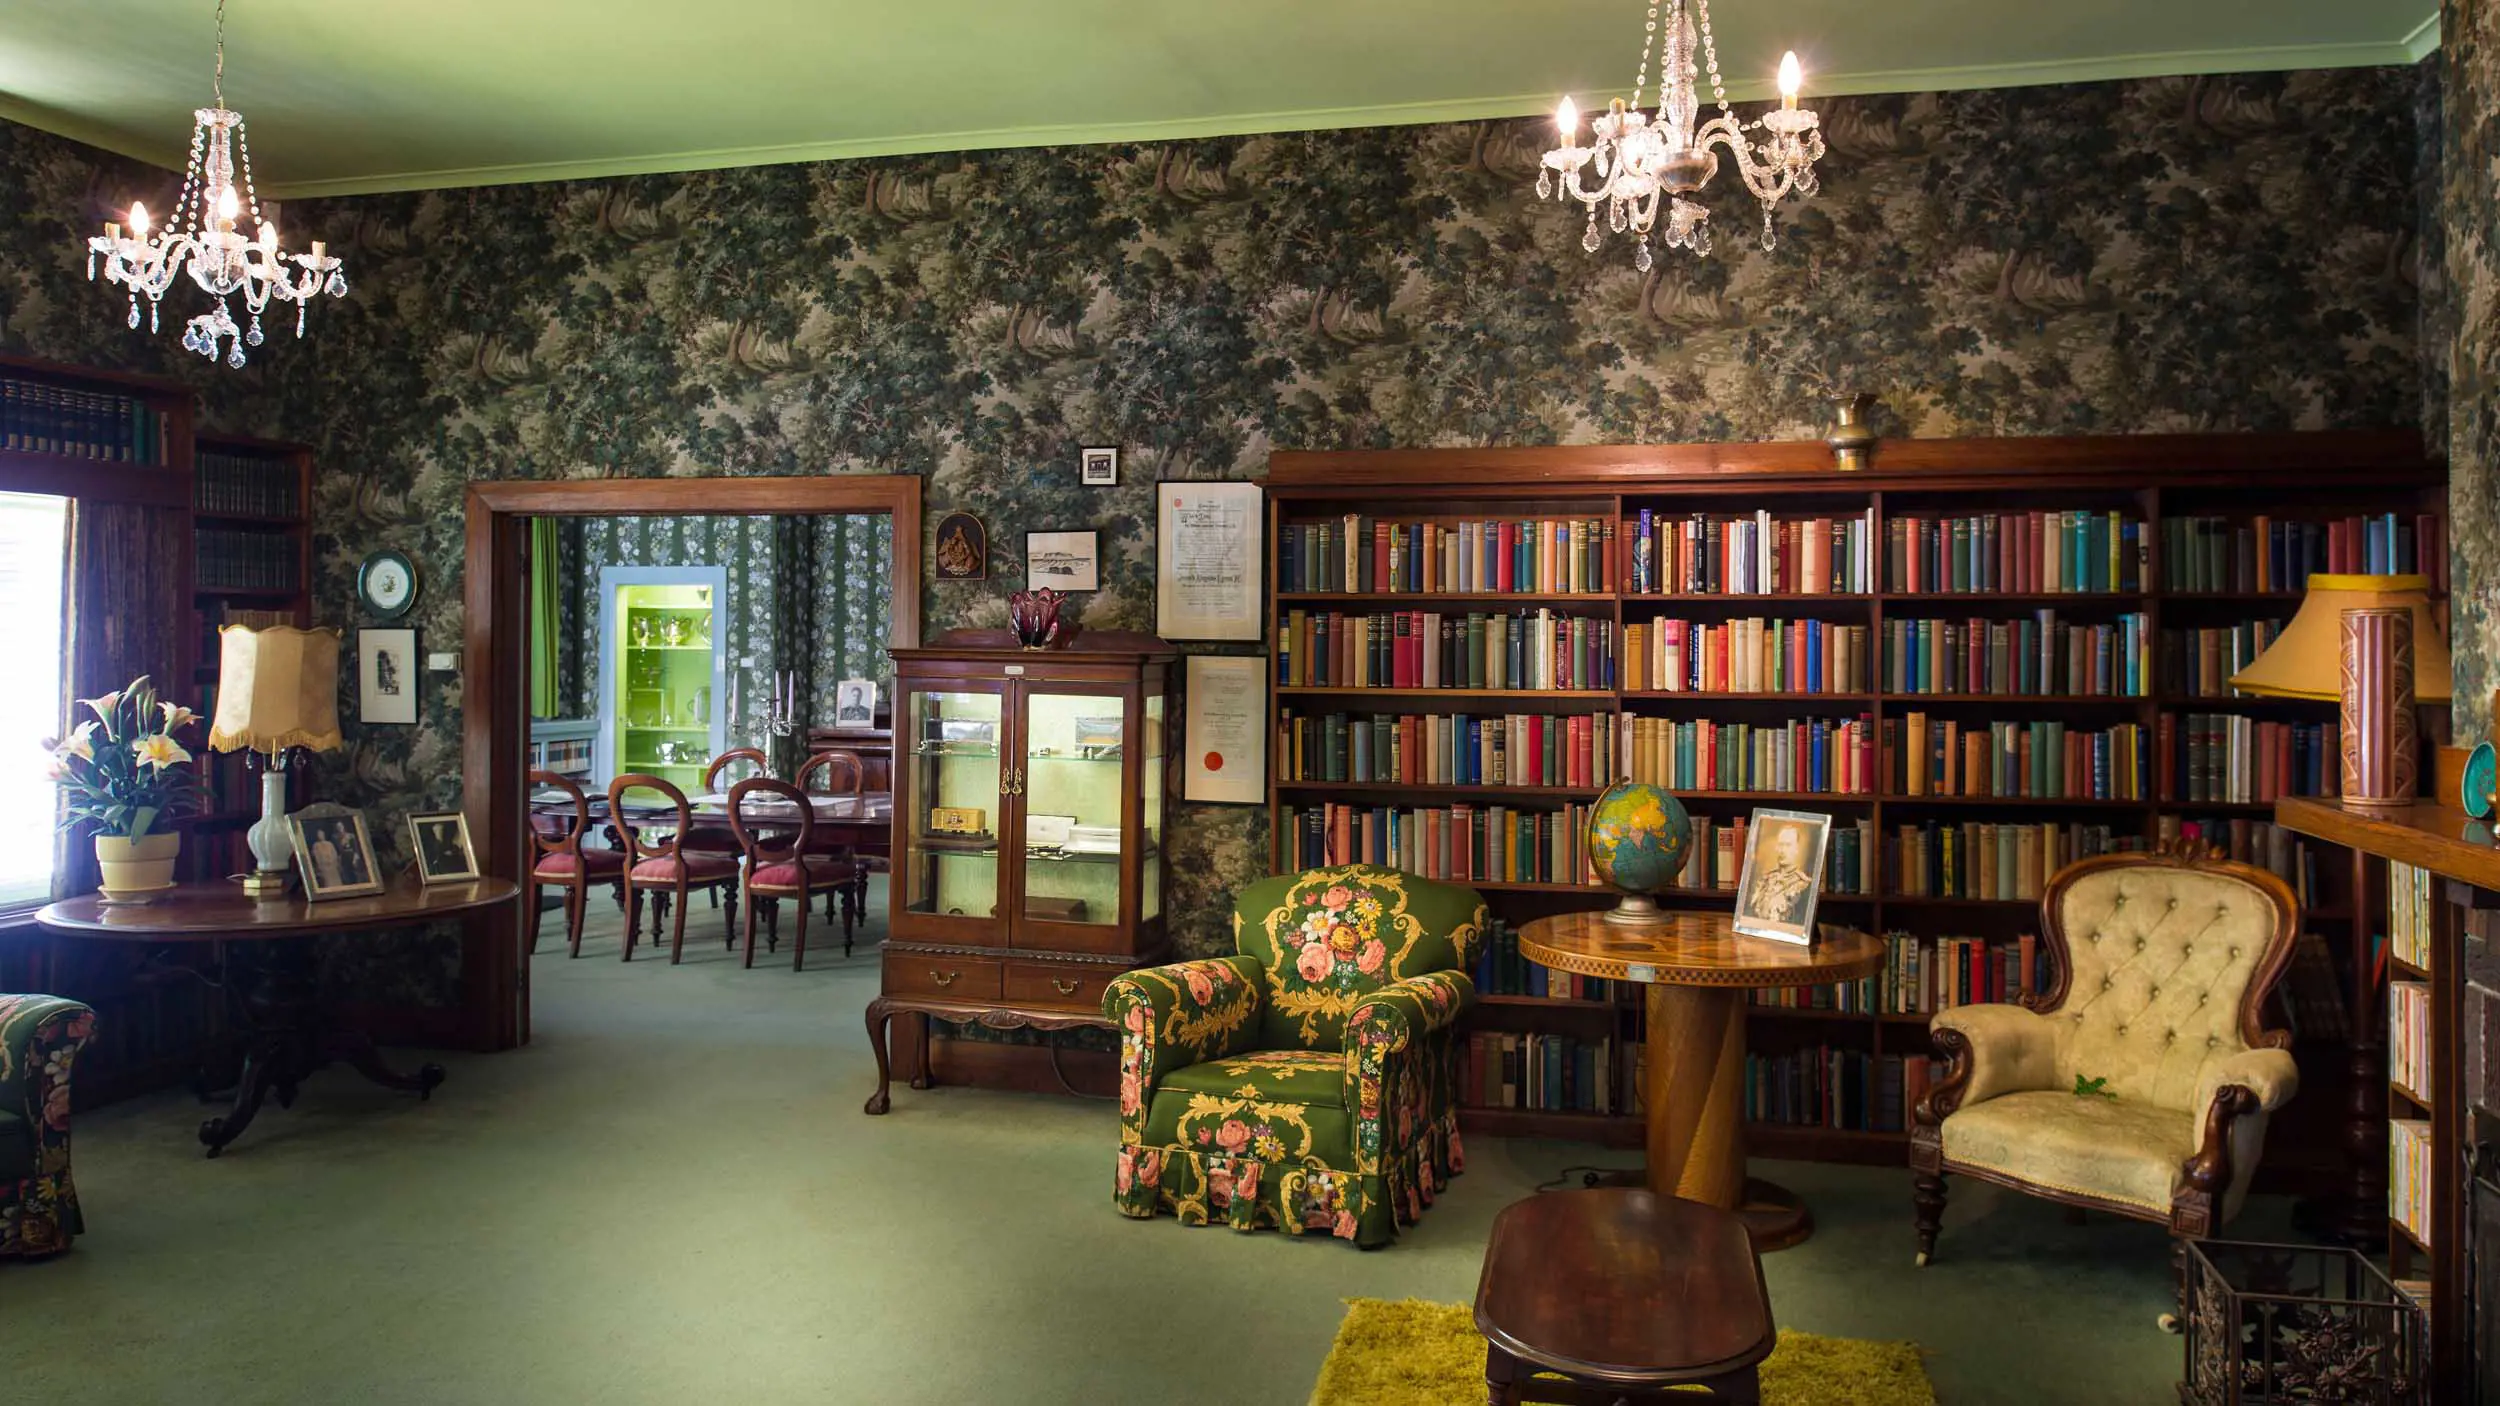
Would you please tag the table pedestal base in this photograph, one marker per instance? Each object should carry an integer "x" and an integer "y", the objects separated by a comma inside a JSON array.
[
  {"x": 274, "y": 994},
  {"x": 1695, "y": 1055}
]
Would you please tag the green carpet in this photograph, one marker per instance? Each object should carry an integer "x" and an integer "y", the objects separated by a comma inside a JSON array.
[
  {"x": 1413, "y": 1353},
  {"x": 671, "y": 1197}
]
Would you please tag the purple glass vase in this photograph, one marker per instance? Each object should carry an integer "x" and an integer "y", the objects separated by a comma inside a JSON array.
[{"x": 1035, "y": 617}]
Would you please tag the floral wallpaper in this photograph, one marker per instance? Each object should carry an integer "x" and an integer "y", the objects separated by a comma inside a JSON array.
[
  {"x": 2469, "y": 216},
  {"x": 2166, "y": 254}
]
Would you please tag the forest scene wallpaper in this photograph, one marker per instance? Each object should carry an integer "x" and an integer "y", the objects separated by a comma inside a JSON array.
[{"x": 2169, "y": 254}]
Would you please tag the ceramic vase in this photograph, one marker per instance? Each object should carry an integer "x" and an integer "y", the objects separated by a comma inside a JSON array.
[{"x": 136, "y": 871}]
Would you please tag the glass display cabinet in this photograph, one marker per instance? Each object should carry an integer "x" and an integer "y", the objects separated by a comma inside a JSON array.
[
  {"x": 1029, "y": 798},
  {"x": 662, "y": 676}
]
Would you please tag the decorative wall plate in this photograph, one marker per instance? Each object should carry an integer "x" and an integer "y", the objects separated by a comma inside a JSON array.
[
  {"x": 387, "y": 583},
  {"x": 2482, "y": 777}
]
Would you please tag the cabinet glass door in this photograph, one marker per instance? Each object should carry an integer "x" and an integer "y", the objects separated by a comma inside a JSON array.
[
  {"x": 1074, "y": 756},
  {"x": 661, "y": 671},
  {"x": 950, "y": 775}
]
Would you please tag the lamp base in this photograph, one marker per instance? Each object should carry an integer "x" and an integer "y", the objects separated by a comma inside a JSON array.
[{"x": 267, "y": 885}]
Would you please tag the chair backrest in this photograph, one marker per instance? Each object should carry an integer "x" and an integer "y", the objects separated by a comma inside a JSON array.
[
  {"x": 753, "y": 845},
  {"x": 2162, "y": 963},
  {"x": 550, "y": 830},
  {"x": 837, "y": 770},
  {"x": 1329, "y": 937},
  {"x": 637, "y": 848},
  {"x": 711, "y": 774}
]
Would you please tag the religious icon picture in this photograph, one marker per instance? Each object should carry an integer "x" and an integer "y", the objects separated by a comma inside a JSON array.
[
  {"x": 1783, "y": 874},
  {"x": 963, "y": 548},
  {"x": 444, "y": 855}
]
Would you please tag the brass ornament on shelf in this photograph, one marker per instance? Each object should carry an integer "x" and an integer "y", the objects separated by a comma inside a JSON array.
[{"x": 1852, "y": 440}]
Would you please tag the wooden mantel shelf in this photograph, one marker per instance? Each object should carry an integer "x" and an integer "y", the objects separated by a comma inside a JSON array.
[{"x": 2426, "y": 835}]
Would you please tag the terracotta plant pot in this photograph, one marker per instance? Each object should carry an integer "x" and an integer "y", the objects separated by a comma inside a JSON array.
[{"x": 136, "y": 871}]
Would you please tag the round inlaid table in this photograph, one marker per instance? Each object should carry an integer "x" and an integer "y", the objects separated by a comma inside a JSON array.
[
  {"x": 1698, "y": 969},
  {"x": 266, "y": 965}
]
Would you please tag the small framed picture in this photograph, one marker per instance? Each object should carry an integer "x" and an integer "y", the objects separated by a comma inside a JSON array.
[
  {"x": 334, "y": 852},
  {"x": 386, "y": 676},
  {"x": 855, "y": 703},
  {"x": 441, "y": 840},
  {"x": 1063, "y": 561},
  {"x": 1783, "y": 875},
  {"x": 963, "y": 548},
  {"x": 1102, "y": 467}
]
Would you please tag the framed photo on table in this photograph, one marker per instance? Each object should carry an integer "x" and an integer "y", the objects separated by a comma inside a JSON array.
[
  {"x": 334, "y": 853},
  {"x": 441, "y": 840},
  {"x": 855, "y": 703},
  {"x": 386, "y": 676},
  {"x": 1782, "y": 879},
  {"x": 1209, "y": 542}
]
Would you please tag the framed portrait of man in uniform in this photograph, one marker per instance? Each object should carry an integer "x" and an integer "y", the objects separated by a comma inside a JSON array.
[{"x": 1783, "y": 874}]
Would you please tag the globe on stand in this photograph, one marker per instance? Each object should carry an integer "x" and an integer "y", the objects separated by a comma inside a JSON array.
[{"x": 1637, "y": 840}]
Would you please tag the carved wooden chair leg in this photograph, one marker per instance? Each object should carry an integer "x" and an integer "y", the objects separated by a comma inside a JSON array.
[
  {"x": 798, "y": 951},
  {"x": 537, "y": 900},
  {"x": 1927, "y": 1201},
  {"x": 2178, "y": 1285},
  {"x": 576, "y": 912},
  {"x": 633, "y": 919},
  {"x": 750, "y": 956},
  {"x": 677, "y": 933}
]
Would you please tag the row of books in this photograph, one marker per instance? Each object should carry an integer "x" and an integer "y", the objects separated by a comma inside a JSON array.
[
  {"x": 1923, "y": 975},
  {"x": 2275, "y": 554},
  {"x": 1547, "y": 1072},
  {"x": 1756, "y": 554},
  {"x": 1462, "y": 843},
  {"x": 2045, "y": 759},
  {"x": 1426, "y": 649},
  {"x": 2023, "y": 553},
  {"x": 1363, "y": 554},
  {"x": 2409, "y": 1165},
  {"x": 2263, "y": 843},
  {"x": 244, "y": 485},
  {"x": 2199, "y": 663},
  {"x": 2312, "y": 994},
  {"x": 2229, "y": 758},
  {"x": 2409, "y": 1038},
  {"x": 1987, "y": 860},
  {"x": 2409, "y": 914},
  {"x": 2041, "y": 655},
  {"x": 1834, "y": 756},
  {"x": 227, "y": 559},
  {"x": 1829, "y": 1087},
  {"x": 1502, "y": 971},
  {"x": 1448, "y": 749},
  {"x": 42, "y": 418},
  {"x": 1751, "y": 655}
]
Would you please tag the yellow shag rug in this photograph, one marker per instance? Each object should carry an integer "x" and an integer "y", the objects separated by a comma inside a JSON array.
[{"x": 1413, "y": 1353}]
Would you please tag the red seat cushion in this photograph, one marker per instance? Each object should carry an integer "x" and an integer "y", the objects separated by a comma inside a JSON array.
[
  {"x": 565, "y": 866},
  {"x": 696, "y": 867},
  {"x": 709, "y": 839},
  {"x": 823, "y": 871}
]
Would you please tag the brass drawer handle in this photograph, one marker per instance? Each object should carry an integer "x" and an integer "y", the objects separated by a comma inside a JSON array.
[
  {"x": 943, "y": 978},
  {"x": 1064, "y": 988}
]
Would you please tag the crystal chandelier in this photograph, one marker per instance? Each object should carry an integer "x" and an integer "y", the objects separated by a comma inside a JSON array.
[
  {"x": 203, "y": 241},
  {"x": 1640, "y": 159}
]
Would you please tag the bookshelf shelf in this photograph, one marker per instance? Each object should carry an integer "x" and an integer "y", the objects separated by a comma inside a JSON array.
[
  {"x": 1800, "y": 524},
  {"x": 2397, "y": 1088}
]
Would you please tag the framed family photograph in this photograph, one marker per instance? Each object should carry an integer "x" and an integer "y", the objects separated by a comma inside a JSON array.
[
  {"x": 386, "y": 676},
  {"x": 855, "y": 703},
  {"x": 441, "y": 841},
  {"x": 1101, "y": 466},
  {"x": 1063, "y": 561},
  {"x": 1783, "y": 875},
  {"x": 334, "y": 852}
]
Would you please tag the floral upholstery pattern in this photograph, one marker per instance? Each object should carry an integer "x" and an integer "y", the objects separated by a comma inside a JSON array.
[
  {"x": 40, "y": 1037},
  {"x": 1310, "y": 1082}
]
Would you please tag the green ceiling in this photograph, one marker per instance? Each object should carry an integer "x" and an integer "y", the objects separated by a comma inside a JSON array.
[{"x": 362, "y": 95}]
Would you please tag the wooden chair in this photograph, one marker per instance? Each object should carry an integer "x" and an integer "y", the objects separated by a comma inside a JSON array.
[
  {"x": 559, "y": 859},
  {"x": 786, "y": 870},
  {"x": 710, "y": 837},
  {"x": 666, "y": 868},
  {"x": 2161, "y": 964},
  {"x": 840, "y": 772}
]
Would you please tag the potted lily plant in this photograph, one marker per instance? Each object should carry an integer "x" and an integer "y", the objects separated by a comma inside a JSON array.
[{"x": 123, "y": 772}]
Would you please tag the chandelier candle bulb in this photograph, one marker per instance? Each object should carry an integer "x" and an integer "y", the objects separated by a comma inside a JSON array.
[
  {"x": 1567, "y": 117},
  {"x": 1791, "y": 79}
]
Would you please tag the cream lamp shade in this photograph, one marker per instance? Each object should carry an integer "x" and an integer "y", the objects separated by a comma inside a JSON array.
[
  {"x": 278, "y": 688},
  {"x": 2306, "y": 660}
]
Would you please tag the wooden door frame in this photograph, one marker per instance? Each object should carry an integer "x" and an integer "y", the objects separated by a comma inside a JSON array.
[{"x": 494, "y": 748}]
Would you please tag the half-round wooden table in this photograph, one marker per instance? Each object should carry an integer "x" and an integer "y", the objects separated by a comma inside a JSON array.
[
  {"x": 1698, "y": 969},
  {"x": 266, "y": 966}
]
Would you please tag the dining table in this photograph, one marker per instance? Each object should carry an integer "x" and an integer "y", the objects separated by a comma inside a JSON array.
[{"x": 862, "y": 819}]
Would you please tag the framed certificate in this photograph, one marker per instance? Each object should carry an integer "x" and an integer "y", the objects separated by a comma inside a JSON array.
[
  {"x": 1209, "y": 540},
  {"x": 1224, "y": 729}
]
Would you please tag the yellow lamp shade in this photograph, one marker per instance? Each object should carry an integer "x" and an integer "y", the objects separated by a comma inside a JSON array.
[
  {"x": 2306, "y": 660},
  {"x": 276, "y": 688}
]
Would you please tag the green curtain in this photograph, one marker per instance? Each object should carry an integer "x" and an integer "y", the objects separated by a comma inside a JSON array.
[{"x": 546, "y": 617}]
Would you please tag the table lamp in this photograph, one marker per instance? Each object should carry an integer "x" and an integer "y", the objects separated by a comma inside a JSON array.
[
  {"x": 278, "y": 697},
  {"x": 2368, "y": 642}
]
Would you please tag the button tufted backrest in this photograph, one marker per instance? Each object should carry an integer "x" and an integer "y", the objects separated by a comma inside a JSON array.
[
  {"x": 2161, "y": 957},
  {"x": 1329, "y": 937}
]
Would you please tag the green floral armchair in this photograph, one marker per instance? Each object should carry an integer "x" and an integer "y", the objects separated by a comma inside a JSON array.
[
  {"x": 1310, "y": 1082},
  {"x": 40, "y": 1037}
]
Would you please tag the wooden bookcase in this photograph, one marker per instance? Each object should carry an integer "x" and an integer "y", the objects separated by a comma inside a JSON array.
[{"x": 2153, "y": 480}]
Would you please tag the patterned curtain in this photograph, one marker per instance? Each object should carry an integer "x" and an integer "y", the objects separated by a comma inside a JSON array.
[
  {"x": 793, "y": 553},
  {"x": 128, "y": 610},
  {"x": 852, "y": 583},
  {"x": 546, "y": 617}
]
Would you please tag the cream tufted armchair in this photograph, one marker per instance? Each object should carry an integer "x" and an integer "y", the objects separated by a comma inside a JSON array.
[{"x": 2161, "y": 964}]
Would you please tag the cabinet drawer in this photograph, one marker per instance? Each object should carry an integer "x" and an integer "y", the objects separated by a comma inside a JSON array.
[
  {"x": 1058, "y": 984},
  {"x": 931, "y": 974}
]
